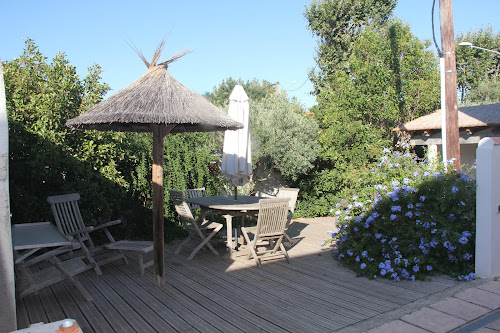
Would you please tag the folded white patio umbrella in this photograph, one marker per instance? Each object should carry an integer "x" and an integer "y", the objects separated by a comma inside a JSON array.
[{"x": 237, "y": 153}]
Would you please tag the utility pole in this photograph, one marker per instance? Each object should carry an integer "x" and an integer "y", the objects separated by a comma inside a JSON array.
[
  {"x": 277, "y": 86},
  {"x": 452, "y": 131}
]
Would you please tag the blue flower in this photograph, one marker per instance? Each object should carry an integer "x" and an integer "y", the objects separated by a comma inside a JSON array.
[
  {"x": 409, "y": 214},
  {"x": 393, "y": 217},
  {"x": 332, "y": 233},
  {"x": 357, "y": 258},
  {"x": 377, "y": 236},
  {"x": 396, "y": 209},
  {"x": 463, "y": 240},
  {"x": 349, "y": 252},
  {"x": 381, "y": 265},
  {"x": 362, "y": 266},
  {"x": 466, "y": 233},
  {"x": 422, "y": 198},
  {"x": 394, "y": 183},
  {"x": 429, "y": 268},
  {"x": 467, "y": 256},
  {"x": 355, "y": 229},
  {"x": 394, "y": 198},
  {"x": 357, "y": 219},
  {"x": 416, "y": 268},
  {"x": 406, "y": 181},
  {"x": 386, "y": 150},
  {"x": 410, "y": 206},
  {"x": 383, "y": 272},
  {"x": 454, "y": 189},
  {"x": 364, "y": 254}
]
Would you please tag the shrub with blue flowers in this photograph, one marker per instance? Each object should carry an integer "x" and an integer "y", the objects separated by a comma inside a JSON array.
[{"x": 406, "y": 220}]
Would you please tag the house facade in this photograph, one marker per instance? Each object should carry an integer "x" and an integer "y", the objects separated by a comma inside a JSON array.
[{"x": 475, "y": 122}]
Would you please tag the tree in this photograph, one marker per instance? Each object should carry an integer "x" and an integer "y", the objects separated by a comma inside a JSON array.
[
  {"x": 385, "y": 77},
  {"x": 337, "y": 24},
  {"x": 486, "y": 92},
  {"x": 474, "y": 65},
  {"x": 254, "y": 90},
  {"x": 284, "y": 137}
]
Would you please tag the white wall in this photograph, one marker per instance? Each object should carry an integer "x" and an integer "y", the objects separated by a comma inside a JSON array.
[
  {"x": 7, "y": 299},
  {"x": 488, "y": 208}
]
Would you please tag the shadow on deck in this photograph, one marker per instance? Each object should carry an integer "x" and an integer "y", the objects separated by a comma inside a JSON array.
[{"x": 215, "y": 294}]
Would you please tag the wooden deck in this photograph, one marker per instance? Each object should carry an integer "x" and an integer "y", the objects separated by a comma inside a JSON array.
[{"x": 216, "y": 294}]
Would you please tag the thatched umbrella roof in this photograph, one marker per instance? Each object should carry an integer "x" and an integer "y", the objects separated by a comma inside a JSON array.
[
  {"x": 468, "y": 117},
  {"x": 157, "y": 103},
  {"x": 155, "y": 98}
]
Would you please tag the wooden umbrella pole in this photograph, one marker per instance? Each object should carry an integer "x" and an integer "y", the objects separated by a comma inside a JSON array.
[{"x": 159, "y": 132}]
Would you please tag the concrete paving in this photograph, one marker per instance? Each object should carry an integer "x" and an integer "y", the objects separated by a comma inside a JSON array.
[{"x": 473, "y": 309}]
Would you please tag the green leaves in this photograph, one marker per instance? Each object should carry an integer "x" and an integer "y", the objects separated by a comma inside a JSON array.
[{"x": 283, "y": 136}]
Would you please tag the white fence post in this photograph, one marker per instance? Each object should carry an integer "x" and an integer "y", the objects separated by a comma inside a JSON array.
[
  {"x": 488, "y": 208},
  {"x": 7, "y": 298}
]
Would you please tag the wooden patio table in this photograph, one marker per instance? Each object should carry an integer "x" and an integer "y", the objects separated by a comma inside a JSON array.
[{"x": 229, "y": 208}]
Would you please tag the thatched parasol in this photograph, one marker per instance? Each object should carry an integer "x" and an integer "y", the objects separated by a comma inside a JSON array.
[{"x": 158, "y": 103}]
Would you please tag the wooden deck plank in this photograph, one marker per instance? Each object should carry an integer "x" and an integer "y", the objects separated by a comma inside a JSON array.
[
  {"x": 253, "y": 283},
  {"x": 130, "y": 315},
  {"x": 184, "y": 309},
  {"x": 169, "y": 320},
  {"x": 113, "y": 317},
  {"x": 36, "y": 313},
  {"x": 237, "y": 289},
  {"x": 68, "y": 304},
  {"x": 52, "y": 309},
  {"x": 22, "y": 318},
  {"x": 136, "y": 303},
  {"x": 94, "y": 317}
]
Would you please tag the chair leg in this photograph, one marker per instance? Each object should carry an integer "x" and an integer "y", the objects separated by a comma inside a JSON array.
[
  {"x": 141, "y": 263},
  {"x": 288, "y": 237},
  {"x": 182, "y": 244},
  {"x": 206, "y": 242},
  {"x": 285, "y": 253},
  {"x": 251, "y": 247}
]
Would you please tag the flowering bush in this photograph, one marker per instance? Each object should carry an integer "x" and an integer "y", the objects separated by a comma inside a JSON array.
[{"x": 406, "y": 220}]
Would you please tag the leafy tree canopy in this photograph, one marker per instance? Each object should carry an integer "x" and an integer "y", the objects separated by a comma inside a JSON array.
[
  {"x": 337, "y": 24},
  {"x": 254, "y": 90},
  {"x": 474, "y": 65},
  {"x": 284, "y": 137}
]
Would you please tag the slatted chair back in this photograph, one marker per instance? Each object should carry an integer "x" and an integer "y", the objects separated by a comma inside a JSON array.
[
  {"x": 273, "y": 215},
  {"x": 200, "y": 232},
  {"x": 288, "y": 192},
  {"x": 67, "y": 215},
  {"x": 194, "y": 193},
  {"x": 182, "y": 209}
]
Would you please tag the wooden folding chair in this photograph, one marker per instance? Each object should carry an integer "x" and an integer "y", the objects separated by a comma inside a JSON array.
[
  {"x": 70, "y": 222},
  {"x": 197, "y": 230},
  {"x": 269, "y": 232},
  {"x": 292, "y": 194},
  {"x": 29, "y": 282}
]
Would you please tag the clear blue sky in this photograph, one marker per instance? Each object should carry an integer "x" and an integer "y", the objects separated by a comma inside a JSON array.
[{"x": 263, "y": 39}]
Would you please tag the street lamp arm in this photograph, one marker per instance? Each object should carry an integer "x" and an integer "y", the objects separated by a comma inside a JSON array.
[{"x": 477, "y": 47}]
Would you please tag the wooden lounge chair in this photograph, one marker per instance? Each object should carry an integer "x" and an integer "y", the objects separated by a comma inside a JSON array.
[
  {"x": 70, "y": 222},
  {"x": 269, "y": 232},
  {"x": 199, "y": 232},
  {"x": 292, "y": 194},
  {"x": 29, "y": 282}
]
